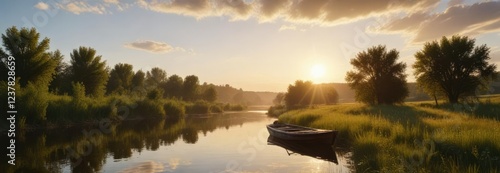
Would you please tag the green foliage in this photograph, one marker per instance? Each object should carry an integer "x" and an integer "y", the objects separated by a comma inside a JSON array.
[
  {"x": 150, "y": 108},
  {"x": 299, "y": 95},
  {"x": 210, "y": 94},
  {"x": 279, "y": 99},
  {"x": 174, "y": 109},
  {"x": 453, "y": 67},
  {"x": 276, "y": 110},
  {"x": 378, "y": 78},
  {"x": 33, "y": 64},
  {"x": 216, "y": 108},
  {"x": 173, "y": 87},
  {"x": 138, "y": 83},
  {"x": 198, "y": 107},
  {"x": 33, "y": 102},
  {"x": 88, "y": 69},
  {"x": 120, "y": 79},
  {"x": 60, "y": 84},
  {"x": 156, "y": 77},
  {"x": 414, "y": 137},
  {"x": 190, "y": 88},
  {"x": 155, "y": 94}
]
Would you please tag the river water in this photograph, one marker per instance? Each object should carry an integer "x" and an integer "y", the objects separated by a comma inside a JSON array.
[{"x": 229, "y": 142}]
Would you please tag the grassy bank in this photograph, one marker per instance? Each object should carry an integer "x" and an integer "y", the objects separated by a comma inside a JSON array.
[{"x": 413, "y": 137}]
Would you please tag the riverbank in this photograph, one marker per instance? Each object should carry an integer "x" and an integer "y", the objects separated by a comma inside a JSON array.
[{"x": 415, "y": 136}]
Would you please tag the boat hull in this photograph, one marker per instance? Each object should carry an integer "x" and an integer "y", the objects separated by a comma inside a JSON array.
[{"x": 306, "y": 135}]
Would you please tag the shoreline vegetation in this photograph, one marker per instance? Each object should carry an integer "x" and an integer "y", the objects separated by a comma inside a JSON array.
[{"x": 413, "y": 136}]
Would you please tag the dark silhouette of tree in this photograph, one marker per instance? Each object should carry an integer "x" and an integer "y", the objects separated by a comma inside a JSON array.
[
  {"x": 299, "y": 95},
  {"x": 88, "y": 69},
  {"x": 61, "y": 83},
  {"x": 156, "y": 77},
  {"x": 32, "y": 61},
  {"x": 138, "y": 82},
  {"x": 330, "y": 93},
  {"x": 279, "y": 99},
  {"x": 190, "y": 88},
  {"x": 454, "y": 67},
  {"x": 210, "y": 94},
  {"x": 378, "y": 78},
  {"x": 173, "y": 87},
  {"x": 120, "y": 79}
]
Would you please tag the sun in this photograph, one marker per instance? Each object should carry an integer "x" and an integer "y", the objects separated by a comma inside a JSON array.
[{"x": 318, "y": 71}]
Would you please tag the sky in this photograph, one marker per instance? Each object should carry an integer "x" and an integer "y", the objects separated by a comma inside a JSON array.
[{"x": 256, "y": 45}]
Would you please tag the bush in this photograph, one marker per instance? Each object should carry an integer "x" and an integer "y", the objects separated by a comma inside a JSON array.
[
  {"x": 174, "y": 109},
  {"x": 235, "y": 107},
  {"x": 33, "y": 103},
  {"x": 275, "y": 111},
  {"x": 152, "y": 108},
  {"x": 198, "y": 107},
  {"x": 216, "y": 108},
  {"x": 155, "y": 94}
]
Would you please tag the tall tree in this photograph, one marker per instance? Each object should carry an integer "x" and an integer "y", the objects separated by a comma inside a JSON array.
[
  {"x": 190, "y": 88},
  {"x": 89, "y": 70},
  {"x": 378, "y": 78},
  {"x": 210, "y": 94},
  {"x": 32, "y": 61},
  {"x": 156, "y": 77},
  {"x": 120, "y": 79},
  {"x": 60, "y": 83},
  {"x": 454, "y": 66},
  {"x": 173, "y": 87},
  {"x": 299, "y": 95}
]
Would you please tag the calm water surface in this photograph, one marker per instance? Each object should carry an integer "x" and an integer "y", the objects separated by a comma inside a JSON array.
[{"x": 231, "y": 142}]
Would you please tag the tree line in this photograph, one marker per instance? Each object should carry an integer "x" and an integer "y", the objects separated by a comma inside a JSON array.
[
  {"x": 44, "y": 69},
  {"x": 453, "y": 69}
]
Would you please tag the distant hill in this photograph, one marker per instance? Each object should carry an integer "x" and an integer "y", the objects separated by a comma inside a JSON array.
[{"x": 229, "y": 94}]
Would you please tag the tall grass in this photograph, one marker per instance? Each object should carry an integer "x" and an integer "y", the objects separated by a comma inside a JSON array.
[{"x": 414, "y": 137}]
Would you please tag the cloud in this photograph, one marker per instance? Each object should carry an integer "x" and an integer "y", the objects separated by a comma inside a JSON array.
[
  {"x": 287, "y": 27},
  {"x": 42, "y": 6},
  {"x": 236, "y": 9},
  {"x": 153, "y": 46},
  {"x": 472, "y": 19},
  {"x": 79, "y": 7}
]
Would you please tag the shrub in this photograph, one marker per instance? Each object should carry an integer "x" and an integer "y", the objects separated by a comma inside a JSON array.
[
  {"x": 198, "y": 107},
  {"x": 174, "y": 109},
  {"x": 33, "y": 101},
  {"x": 216, "y": 108},
  {"x": 152, "y": 108}
]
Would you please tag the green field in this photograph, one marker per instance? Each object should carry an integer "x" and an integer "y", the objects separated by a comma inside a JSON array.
[{"x": 413, "y": 137}]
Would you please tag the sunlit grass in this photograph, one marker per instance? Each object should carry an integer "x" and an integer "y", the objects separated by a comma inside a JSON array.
[{"x": 414, "y": 137}]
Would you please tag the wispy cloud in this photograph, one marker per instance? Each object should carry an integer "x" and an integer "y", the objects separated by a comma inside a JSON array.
[
  {"x": 79, "y": 7},
  {"x": 42, "y": 6},
  {"x": 478, "y": 18},
  {"x": 154, "y": 46}
]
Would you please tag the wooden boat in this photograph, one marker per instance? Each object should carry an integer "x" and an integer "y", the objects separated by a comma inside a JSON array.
[
  {"x": 300, "y": 133},
  {"x": 315, "y": 150}
]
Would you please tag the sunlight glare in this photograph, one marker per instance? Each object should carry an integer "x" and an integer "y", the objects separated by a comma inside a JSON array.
[{"x": 318, "y": 71}]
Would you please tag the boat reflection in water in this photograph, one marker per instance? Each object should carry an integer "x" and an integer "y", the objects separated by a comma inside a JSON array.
[{"x": 315, "y": 150}]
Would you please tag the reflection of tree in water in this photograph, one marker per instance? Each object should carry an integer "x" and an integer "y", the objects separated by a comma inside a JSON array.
[
  {"x": 190, "y": 135},
  {"x": 50, "y": 150}
]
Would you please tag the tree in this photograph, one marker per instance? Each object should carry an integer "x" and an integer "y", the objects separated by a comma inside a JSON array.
[
  {"x": 32, "y": 61},
  {"x": 60, "y": 83},
  {"x": 173, "y": 87},
  {"x": 210, "y": 94},
  {"x": 378, "y": 78},
  {"x": 89, "y": 70},
  {"x": 190, "y": 88},
  {"x": 279, "y": 99},
  {"x": 120, "y": 79},
  {"x": 454, "y": 67},
  {"x": 156, "y": 77},
  {"x": 299, "y": 95},
  {"x": 138, "y": 82}
]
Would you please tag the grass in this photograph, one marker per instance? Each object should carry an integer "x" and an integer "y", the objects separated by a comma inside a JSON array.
[{"x": 413, "y": 137}]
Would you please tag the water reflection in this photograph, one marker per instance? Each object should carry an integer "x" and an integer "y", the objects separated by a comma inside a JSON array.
[
  {"x": 193, "y": 144},
  {"x": 319, "y": 151}
]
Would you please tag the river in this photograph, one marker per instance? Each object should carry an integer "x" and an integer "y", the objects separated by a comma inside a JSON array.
[{"x": 229, "y": 142}]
